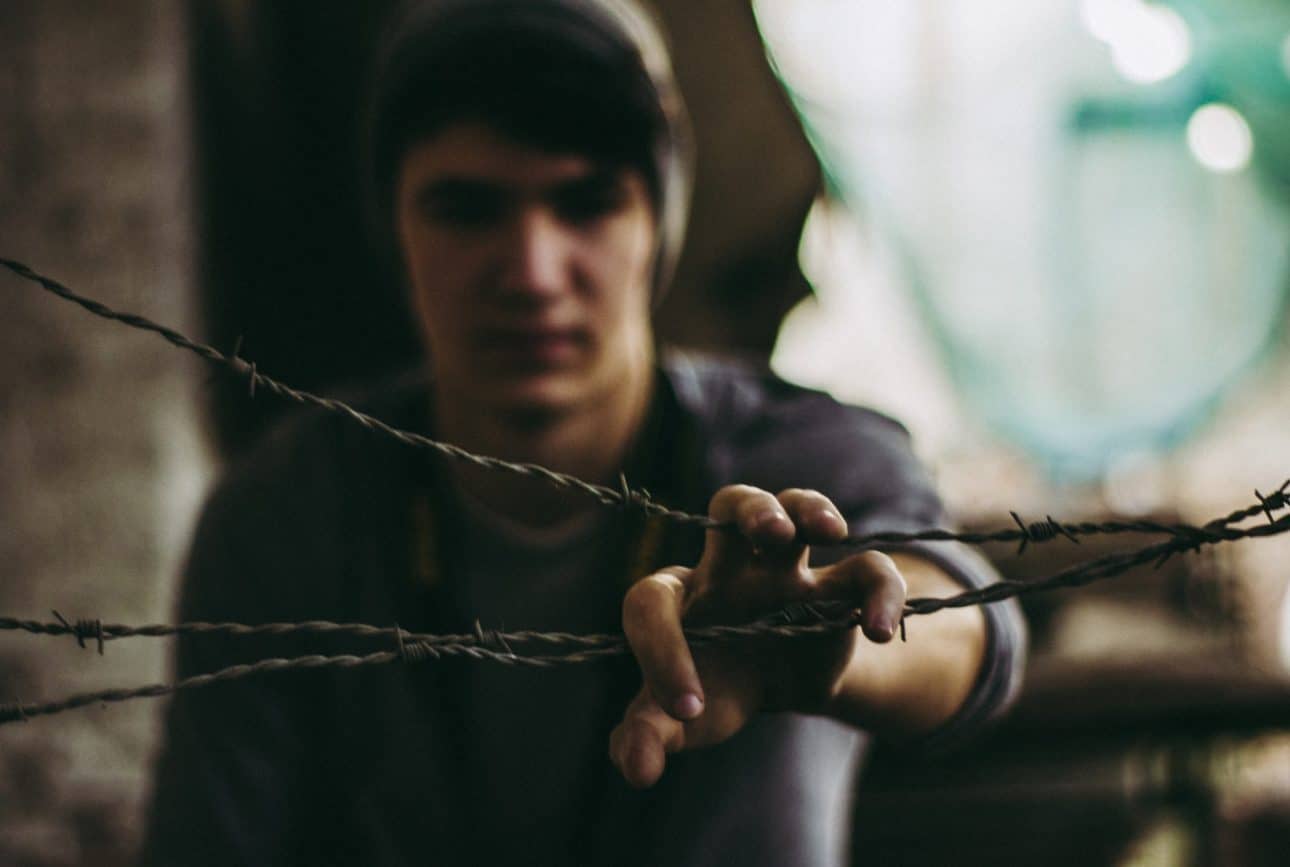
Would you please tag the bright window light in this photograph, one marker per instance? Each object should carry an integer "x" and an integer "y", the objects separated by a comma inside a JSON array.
[{"x": 1219, "y": 138}]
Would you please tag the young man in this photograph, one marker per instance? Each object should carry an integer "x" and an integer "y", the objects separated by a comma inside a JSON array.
[{"x": 528, "y": 169}]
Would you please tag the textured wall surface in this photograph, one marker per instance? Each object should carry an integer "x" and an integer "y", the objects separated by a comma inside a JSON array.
[{"x": 101, "y": 463}]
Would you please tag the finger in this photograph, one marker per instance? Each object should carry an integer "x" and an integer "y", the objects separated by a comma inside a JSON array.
[
  {"x": 818, "y": 521},
  {"x": 873, "y": 579},
  {"x": 652, "y": 624},
  {"x": 761, "y": 564},
  {"x": 760, "y": 518},
  {"x": 638, "y": 746}
]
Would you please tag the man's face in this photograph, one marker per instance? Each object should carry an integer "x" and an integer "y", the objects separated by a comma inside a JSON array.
[{"x": 530, "y": 272}]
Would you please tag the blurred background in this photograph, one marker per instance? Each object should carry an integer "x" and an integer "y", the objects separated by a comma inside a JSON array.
[{"x": 1052, "y": 237}]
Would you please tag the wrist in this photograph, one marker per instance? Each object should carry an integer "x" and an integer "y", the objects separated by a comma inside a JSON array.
[{"x": 902, "y": 689}]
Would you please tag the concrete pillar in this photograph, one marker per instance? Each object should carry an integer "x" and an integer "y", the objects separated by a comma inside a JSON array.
[{"x": 101, "y": 464}]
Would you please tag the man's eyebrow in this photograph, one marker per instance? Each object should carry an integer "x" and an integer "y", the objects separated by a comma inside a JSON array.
[
  {"x": 459, "y": 187},
  {"x": 597, "y": 180},
  {"x": 455, "y": 188}
]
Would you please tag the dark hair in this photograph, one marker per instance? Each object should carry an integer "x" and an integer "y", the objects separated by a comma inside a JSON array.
[{"x": 565, "y": 76}]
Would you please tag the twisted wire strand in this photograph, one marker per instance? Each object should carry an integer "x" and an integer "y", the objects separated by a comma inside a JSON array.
[
  {"x": 258, "y": 381},
  {"x": 818, "y": 617},
  {"x": 624, "y": 496},
  {"x": 113, "y": 631},
  {"x": 1184, "y": 537},
  {"x": 408, "y": 653},
  {"x": 815, "y": 618}
]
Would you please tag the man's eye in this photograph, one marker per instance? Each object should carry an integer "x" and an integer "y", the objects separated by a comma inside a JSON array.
[{"x": 464, "y": 212}]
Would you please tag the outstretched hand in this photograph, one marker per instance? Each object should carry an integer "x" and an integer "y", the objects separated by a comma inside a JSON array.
[{"x": 698, "y": 699}]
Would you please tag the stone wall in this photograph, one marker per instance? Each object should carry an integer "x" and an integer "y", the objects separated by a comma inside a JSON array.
[{"x": 101, "y": 462}]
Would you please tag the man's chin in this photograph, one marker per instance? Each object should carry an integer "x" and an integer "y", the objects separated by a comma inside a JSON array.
[{"x": 536, "y": 404}]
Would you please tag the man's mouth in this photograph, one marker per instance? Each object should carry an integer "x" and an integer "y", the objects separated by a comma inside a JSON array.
[{"x": 538, "y": 345}]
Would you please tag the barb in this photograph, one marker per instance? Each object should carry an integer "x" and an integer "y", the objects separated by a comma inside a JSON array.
[
  {"x": 623, "y": 496},
  {"x": 83, "y": 629}
]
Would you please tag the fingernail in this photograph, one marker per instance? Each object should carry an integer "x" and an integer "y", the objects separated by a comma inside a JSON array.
[{"x": 689, "y": 706}]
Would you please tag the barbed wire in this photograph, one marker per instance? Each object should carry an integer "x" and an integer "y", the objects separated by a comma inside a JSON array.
[
  {"x": 411, "y": 649},
  {"x": 816, "y": 617},
  {"x": 1216, "y": 531},
  {"x": 624, "y": 496},
  {"x": 803, "y": 618}
]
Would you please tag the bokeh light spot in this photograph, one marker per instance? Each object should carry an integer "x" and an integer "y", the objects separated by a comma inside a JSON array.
[{"x": 1219, "y": 138}]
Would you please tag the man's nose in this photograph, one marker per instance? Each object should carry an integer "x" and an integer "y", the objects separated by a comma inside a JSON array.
[{"x": 538, "y": 254}]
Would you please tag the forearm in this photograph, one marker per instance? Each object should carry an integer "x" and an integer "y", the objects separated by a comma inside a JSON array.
[{"x": 901, "y": 690}]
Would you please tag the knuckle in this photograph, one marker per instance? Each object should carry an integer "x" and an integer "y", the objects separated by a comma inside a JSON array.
[
  {"x": 652, "y": 596},
  {"x": 640, "y": 603},
  {"x": 638, "y": 728},
  {"x": 732, "y": 493},
  {"x": 880, "y": 562},
  {"x": 805, "y": 497},
  {"x": 895, "y": 583},
  {"x": 879, "y": 574},
  {"x": 673, "y": 577},
  {"x": 901, "y": 584}
]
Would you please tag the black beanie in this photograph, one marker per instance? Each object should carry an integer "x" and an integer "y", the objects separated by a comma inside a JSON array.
[{"x": 590, "y": 77}]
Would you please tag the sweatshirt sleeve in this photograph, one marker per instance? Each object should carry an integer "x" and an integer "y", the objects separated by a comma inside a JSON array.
[
  {"x": 894, "y": 492},
  {"x": 999, "y": 679}
]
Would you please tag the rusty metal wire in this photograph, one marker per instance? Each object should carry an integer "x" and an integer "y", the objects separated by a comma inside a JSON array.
[
  {"x": 623, "y": 496},
  {"x": 258, "y": 381},
  {"x": 1185, "y": 537},
  {"x": 814, "y": 618}
]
